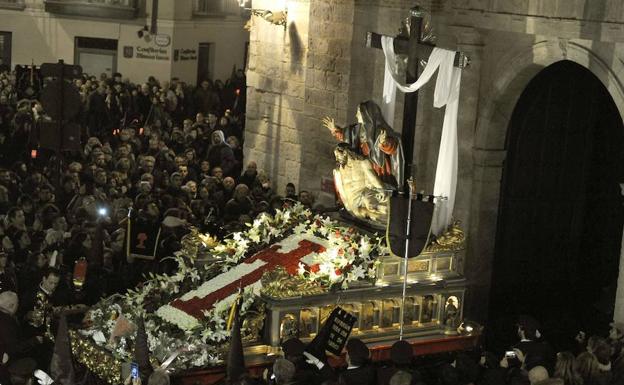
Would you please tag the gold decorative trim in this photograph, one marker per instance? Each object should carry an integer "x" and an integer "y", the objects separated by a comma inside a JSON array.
[
  {"x": 278, "y": 284},
  {"x": 97, "y": 360},
  {"x": 453, "y": 239}
]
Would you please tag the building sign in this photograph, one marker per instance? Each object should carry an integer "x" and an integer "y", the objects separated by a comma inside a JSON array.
[
  {"x": 152, "y": 53},
  {"x": 128, "y": 51},
  {"x": 162, "y": 40},
  {"x": 188, "y": 54}
]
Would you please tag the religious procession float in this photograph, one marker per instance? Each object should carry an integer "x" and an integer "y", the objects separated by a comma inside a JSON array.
[{"x": 294, "y": 267}]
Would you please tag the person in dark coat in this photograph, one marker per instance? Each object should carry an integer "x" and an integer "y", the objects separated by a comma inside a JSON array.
[
  {"x": 240, "y": 204},
  {"x": 12, "y": 346},
  {"x": 98, "y": 112},
  {"x": 491, "y": 372},
  {"x": 32, "y": 273},
  {"x": 221, "y": 155},
  {"x": 401, "y": 356},
  {"x": 305, "y": 372},
  {"x": 206, "y": 99},
  {"x": 249, "y": 175},
  {"x": 8, "y": 279},
  {"x": 143, "y": 101},
  {"x": 37, "y": 311},
  {"x": 8, "y": 333},
  {"x": 359, "y": 370},
  {"x": 536, "y": 351},
  {"x": 293, "y": 352}
]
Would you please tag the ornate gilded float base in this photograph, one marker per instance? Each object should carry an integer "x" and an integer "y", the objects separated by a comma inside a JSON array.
[
  {"x": 97, "y": 360},
  {"x": 430, "y": 309},
  {"x": 279, "y": 284}
]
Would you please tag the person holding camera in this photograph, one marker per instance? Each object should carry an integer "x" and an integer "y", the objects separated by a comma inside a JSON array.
[{"x": 536, "y": 351}]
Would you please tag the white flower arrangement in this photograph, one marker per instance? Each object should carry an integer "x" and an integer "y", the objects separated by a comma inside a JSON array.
[{"x": 348, "y": 257}]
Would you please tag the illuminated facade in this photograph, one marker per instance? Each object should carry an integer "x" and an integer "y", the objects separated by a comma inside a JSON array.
[{"x": 190, "y": 40}]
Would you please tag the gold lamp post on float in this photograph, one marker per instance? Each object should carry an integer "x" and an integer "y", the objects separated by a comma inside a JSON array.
[{"x": 275, "y": 17}]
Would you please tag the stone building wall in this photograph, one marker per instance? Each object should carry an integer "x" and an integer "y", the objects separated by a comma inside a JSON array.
[
  {"x": 322, "y": 67},
  {"x": 297, "y": 76},
  {"x": 510, "y": 42},
  {"x": 276, "y": 93}
]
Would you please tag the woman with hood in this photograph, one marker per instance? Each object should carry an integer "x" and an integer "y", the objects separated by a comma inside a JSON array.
[
  {"x": 221, "y": 155},
  {"x": 373, "y": 137}
]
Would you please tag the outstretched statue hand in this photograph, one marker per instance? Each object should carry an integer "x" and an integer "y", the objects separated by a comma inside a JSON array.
[
  {"x": 330, "y": 123},
  {"x": 382, "y": 138}
]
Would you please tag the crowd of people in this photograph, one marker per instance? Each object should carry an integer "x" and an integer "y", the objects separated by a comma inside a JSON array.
[
  {"x": 159, "y": 153},
  {"x": 532, "y": 361},
  {"x": 168, "y": 155}
]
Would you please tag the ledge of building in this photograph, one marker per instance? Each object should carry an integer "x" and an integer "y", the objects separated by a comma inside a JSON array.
[
  {"x": 14, "y": 5},
  {"x": 91, "y": 9}
]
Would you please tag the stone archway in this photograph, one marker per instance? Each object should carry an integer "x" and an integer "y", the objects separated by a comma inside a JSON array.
[{"x": 517, "y": 69}]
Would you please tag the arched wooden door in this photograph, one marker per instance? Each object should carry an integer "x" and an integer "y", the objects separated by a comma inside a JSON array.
[{"x": 559, "y": 228}]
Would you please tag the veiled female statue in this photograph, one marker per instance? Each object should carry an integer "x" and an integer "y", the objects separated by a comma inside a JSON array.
[{"x": 373, "y": 138}]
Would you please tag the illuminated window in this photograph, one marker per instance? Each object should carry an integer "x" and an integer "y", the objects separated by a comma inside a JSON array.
[
  {"x": 429, "y": 309},
  {"x": 289, "y": 327},
  {"x": 370, "y": 315},
  {"x": 391, "y": 313},
  {"x": 308, "y": 323}
]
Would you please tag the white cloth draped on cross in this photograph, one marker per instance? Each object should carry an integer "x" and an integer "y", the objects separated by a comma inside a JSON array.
[{"x": 446, "y": 94}]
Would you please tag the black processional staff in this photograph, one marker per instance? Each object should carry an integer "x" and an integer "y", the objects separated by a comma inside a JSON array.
[{"x": 412, "y": 187}]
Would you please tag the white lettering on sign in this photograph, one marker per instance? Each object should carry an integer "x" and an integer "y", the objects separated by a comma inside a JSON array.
[
  {"x": 152, "y": 53},
  {"x": 188, "y": 54}
]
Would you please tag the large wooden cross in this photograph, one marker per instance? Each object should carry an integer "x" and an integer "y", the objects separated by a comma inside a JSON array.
[{"x": 415, "y": 49}]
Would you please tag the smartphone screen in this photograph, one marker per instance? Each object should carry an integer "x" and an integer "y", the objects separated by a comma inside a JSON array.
[{"x": 134, "y": 370}]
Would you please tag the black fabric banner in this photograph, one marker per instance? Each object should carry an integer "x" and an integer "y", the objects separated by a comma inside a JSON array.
[
  {"x": 422, "y": 215},
  {"x": 333, "y": 334},
  {"x": 339, "y": 330}
]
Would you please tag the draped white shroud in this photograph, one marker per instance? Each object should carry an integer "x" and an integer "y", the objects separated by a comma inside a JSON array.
[{"x": 446, "y": 94}]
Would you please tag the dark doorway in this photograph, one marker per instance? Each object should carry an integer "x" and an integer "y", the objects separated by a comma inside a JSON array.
[
  {"x": 560, "y": 217},
  {"x": 5, "y": 51},
  {"x": 204, "y": 62},
  {"x": 96, "y": 56}
]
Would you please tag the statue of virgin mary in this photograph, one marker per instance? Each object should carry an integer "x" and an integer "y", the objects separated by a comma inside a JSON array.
[{"x": 373, "y": 138}]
